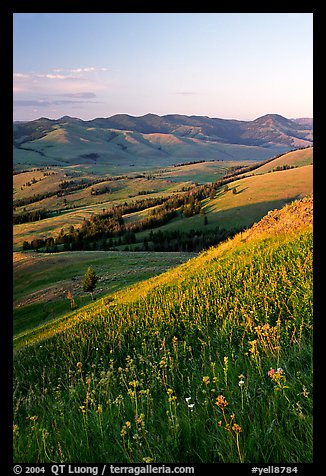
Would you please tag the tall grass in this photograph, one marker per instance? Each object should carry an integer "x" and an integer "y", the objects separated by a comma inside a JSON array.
[{"x": 212, "y": 362}]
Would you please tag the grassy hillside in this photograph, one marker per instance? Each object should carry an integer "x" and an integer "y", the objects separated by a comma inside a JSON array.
[
  {"x": 42, "y": 280},
  {"x": 209, "y": 362},
  {"x": 122, "y": 141},
  {"x": 295, "y": 158},
  {"x": 105, "y": 151},
  {"x": 255, "y": 196}
]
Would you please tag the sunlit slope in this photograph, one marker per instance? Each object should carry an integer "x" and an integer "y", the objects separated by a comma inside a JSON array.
[
  {"x": 154, "y": 364},
  {"x": 94, "y": 148},
  {"x": 41, "y": 281},
  {"x": 254, "y": 196},
  {"x": 295, "y": 158},
  {"x": 293, "y": 217}
]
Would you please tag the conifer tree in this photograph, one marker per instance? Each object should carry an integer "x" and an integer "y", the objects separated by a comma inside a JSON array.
[{"x": 90, "y": 280}]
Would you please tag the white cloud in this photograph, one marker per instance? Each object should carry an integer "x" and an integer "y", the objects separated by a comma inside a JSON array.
[
  {"x": 21, "y": 76},
  {"x": 53, "y": 76},
  {"x": 89, "y": 69}
]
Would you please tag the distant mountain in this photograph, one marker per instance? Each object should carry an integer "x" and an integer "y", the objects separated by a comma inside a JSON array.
[
  {"x": 304, "y": 121},
  {"x": 162, "y": 138}
]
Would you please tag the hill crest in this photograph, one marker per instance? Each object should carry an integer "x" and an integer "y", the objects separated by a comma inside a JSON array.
[{"x": 267, "y": 130}]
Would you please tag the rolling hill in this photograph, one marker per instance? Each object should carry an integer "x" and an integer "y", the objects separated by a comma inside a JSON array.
[
  {"x": 150, "y": 141},
  {"x": 258, "y": 191},
  {"x": 209, "y": 362},
  {"x": 248, "y": 198}
]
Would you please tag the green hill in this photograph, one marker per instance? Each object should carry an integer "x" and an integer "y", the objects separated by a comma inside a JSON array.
[
  {"x": 295, "y": 158},
  {"x": 40, "y": 296},
  {"x": 144, "y": 142},
  {"x": 257, "y": 192},
  {"x": 255, "y": 196},
  {"x": 208, "y": 362}
]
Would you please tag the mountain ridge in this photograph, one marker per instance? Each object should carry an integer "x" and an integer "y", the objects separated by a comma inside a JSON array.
[{"x": 123, "y": 138}]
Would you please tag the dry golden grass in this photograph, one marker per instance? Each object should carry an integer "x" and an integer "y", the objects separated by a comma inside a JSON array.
[{"x": 297, "y": 158}]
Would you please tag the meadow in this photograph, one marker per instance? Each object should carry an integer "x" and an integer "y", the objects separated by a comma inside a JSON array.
[
  {"x": 255, "y": 195},
  {"x": 41, "y": 281},
  {"x": 209, "y": 362}
]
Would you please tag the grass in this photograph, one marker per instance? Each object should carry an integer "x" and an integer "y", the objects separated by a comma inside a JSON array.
[
  {"x": 41, "y": 280},
  {"x": 296, "y": 158},
  {"x": 177, "y": 369},
  {"x": 128, "y": 149},
  {"x": 255, "y": 196}
]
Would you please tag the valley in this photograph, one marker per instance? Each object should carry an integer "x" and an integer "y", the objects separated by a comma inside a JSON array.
[
  {"x": 161, "y": 368},
  {"x": 202, "y": 251}
]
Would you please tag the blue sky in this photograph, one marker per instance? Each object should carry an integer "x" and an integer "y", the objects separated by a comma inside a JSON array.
[{"x": 227, "y": 65}]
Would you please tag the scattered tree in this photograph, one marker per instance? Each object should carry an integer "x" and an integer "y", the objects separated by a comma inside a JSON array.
[{"x": 89, "y": 282}]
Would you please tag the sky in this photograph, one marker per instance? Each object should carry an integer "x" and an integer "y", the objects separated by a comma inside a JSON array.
[{"x": 226, "y": 65}]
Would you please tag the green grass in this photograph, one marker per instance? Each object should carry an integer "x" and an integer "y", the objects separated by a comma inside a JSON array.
[
  {"x": 128, "y": 149},
  {"x": 144, "y": 374},
  {"x": 41, "y": 280},
  {"x": 255, "y": 196}
]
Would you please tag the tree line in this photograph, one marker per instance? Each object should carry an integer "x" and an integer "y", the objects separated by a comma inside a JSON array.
[
  {"x": 110, "y": 223},
  {"x": 95, "y": 231},
  {"x": 31, "y": 216},
  {"x": 109, "y": 229}
]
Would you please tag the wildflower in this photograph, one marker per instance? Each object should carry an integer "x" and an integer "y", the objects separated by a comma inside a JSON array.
[
  {"x": 236, "y": 428},
  {"x": 82, "y": 408},
  {"x": 147, "y": 459},
  {"x": 241, "y": 382},
  {"x": 191, "y": 406},
  {"x": 33, "y": 418},
  {"x": 241, "y": 376},
  {"x": 163, "y": 363},
  {"x": 253, "y": 344},
  {"x": 205, "y": 380},
  {"x": 299, "y": 407},
  {"x": 140, "y": 420},
  {"x": 169, "y": 391},
  {"x": 99, "y": 409},
  {"x": 278, "y": 377},
  {"x": 128, "y": 424},
  {"x": 305, "y": 392},
  {"x": 79, "y": 365},
  {"x": 221, "y": 402},
  {"x": 188, "y": 399}
]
